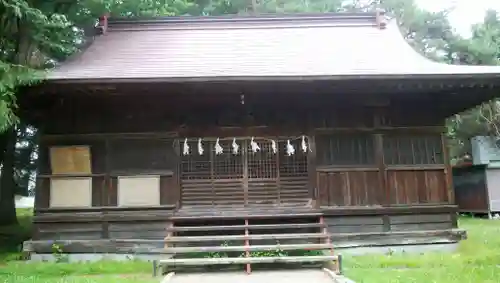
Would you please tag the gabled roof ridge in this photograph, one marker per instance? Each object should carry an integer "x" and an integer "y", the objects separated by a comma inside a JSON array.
[
  {"x": 245, "y": 18},
  {"x": 247, "y": 21}
]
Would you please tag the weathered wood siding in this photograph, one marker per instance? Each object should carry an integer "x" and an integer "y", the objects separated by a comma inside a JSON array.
[
  {"x": 381, "y": 169},
  {"x": 417, "y": 186},
  {"x": 471, "y": 191},
  {"x": 349, "y": 188},
  {"x": 113, "y": 157},
  {"x": 421, "y": 222},
  {"x": 391, "y": 219},
  {"x": 113, "y": 230},
  {"x": 68, "y": 231},
  {"x": 102, "y": 223},
  {"x": 360, "y": 156}
]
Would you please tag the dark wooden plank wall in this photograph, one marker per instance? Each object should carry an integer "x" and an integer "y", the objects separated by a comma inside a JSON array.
[
  {"x": 373, "y": 200},
  {"x": 108, "y": 164},
  {"x": 102, "y": 223},
  {"x": 390, "y": 223},
  {"x": 418, "y": 186},
  {"x": 349, "y": 187},
  {"x": 471, "y": 190},
  {"x": 382, "y": 226},
  {"x": 382, "y": 168},
  {"x": 338, "y": 185},
  {"x": 151, "y": 126},
  {"x": 347, "y": 225}
]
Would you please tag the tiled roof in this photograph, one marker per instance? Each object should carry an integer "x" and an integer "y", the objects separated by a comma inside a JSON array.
[{"x": 329, "y": 45}]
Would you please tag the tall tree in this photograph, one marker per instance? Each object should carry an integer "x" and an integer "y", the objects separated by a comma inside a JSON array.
[
  {"x": 33, "y": 35},
  {"x": 483, "y": 48},
  {"x": 29, "y": 31}
]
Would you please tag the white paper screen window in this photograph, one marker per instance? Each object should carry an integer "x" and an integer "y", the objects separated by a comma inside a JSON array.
[
  {"x": 139, "y": 191},
  {"x": 71, "y": 192}
]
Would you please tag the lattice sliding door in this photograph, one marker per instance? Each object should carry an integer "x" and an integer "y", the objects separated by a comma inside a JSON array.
[
  {"x": 196, "y": 177},
  {"x": 209, "y": 179},
  {"x": 263, "y": 175},
  {"x": 227, "y": 176},
  {"x": 293, "y": 175},
  {"x": 244, "y": 179}
]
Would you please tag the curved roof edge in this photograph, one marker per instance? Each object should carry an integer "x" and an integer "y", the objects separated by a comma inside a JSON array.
[
  {"x": 325, "y": 46},
  {"x": 434, "y": 66}
]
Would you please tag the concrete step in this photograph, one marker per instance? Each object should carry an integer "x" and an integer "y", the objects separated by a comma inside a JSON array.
[
  {"x": 246, "y": 260},
  {"x": 186, "y": 239},
  {"x": 181, "y": 250}
]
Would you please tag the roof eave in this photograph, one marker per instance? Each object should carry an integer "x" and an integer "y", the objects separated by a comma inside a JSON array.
[
  {"x": 243, "y": 18},
  {"x": 404, "y": 77}
]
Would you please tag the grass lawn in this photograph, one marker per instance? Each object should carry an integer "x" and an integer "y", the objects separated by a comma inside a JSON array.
[
  {"x": 98, "y": 272},
  {"x": 15, "y": 271},
  {"x": 477, "y": 261}
]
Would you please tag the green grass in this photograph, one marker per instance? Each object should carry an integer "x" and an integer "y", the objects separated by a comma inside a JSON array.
[
  {"x": 81, "y": 279},
  {"x": 12, "y": 237},
  {"x": 98, "y": 272},
  {"x": 16, "y": 271},
  {"x": 476, "y": 261}
]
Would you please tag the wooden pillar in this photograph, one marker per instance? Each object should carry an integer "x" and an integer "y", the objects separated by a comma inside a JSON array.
[
  {"x": 311, "y": 170},
  {"x": 385, "y": 192},
  {"x": 177, "y": 173},
  {"x": 448, "y": 174},
  {"x": 244, "y": 155},
  {"x": 42, "y": 191},
  {"x": 379, "y": 121},
  {"x": 107, "y": 178},
  {"x": 247, "y": 247}
]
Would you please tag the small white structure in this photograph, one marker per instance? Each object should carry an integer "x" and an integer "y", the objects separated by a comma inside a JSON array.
[{"x": 25, "y": 202}]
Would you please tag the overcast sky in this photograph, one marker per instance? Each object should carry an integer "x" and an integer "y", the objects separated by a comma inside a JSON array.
[{"x": 466, "y": 12}]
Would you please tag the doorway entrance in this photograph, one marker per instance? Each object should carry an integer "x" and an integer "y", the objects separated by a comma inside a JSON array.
[{"x": 245, "y": 178}]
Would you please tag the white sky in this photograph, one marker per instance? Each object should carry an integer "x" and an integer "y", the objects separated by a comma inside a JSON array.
[{"x": 466, "y": 12}]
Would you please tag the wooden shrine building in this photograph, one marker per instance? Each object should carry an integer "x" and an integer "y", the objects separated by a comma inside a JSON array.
[{"x": 195, "y": 126}]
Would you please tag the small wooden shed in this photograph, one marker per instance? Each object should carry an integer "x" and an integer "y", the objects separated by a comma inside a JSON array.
[{"x": 477, "y": 183}]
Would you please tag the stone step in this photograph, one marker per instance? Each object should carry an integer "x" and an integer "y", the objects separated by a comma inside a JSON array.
[
  {"x": 246, "y": 260},
  {"x": 181, "y": 250},
  {"x": 185, "y": 239},
  {"x": 243, "y": 227}
]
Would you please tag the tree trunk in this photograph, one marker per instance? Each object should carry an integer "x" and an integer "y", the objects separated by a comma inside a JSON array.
[
  {"x": 254, "y": 7},
  {"x": 7, "y": 185}
]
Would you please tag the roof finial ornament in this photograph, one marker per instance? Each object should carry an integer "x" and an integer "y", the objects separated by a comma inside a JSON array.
[
  {"x": 103, "y": 23},
  {"x": 380, "y": 18}
]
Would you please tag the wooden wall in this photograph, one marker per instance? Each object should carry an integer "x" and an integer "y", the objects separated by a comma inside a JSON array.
[
  {"x": 382, "y": 169},
  {"x": 111, "y": 158},
  {"x": 134, "y": 231},
  {"x": 393, "y": 226},
  {"x": 373, "y": 169},
  {"x": 101, "y": 230},
  {"x": 471, "y": 189},
  {"x": 361, "y": 155}
]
